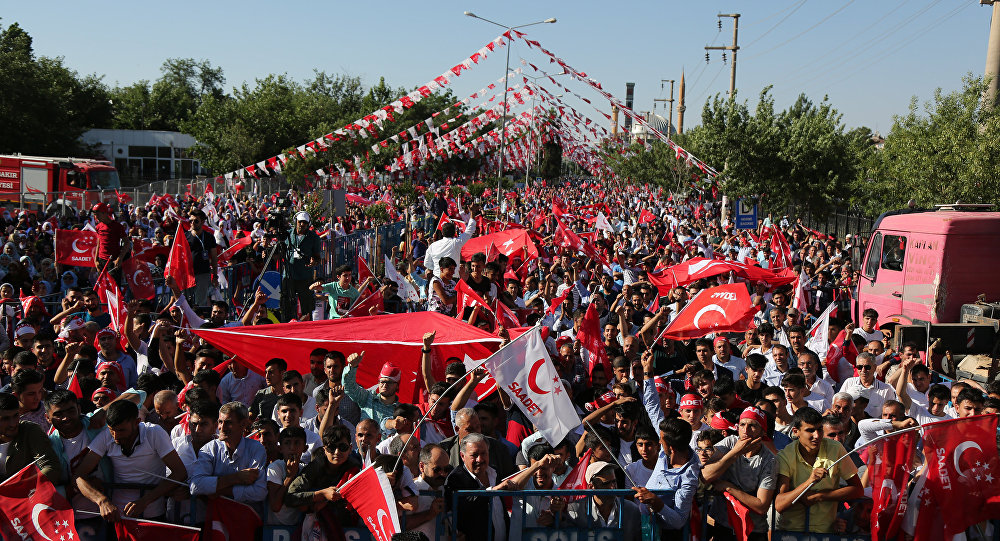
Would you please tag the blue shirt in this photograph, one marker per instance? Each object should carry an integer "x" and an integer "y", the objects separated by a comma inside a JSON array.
[
  {"x": 215, "y": 461},
  {"x": 683, "y": 481}
]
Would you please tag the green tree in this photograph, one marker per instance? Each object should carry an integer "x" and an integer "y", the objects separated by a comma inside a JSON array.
[
  {"x": 44, "y": 106},
  {"x": 948, "y": 152}
]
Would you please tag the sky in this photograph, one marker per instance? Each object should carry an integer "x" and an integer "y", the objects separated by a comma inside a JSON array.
[{"x": 869, "y": 57}]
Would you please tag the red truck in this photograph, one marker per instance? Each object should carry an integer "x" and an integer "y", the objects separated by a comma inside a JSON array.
[{"x": 37, "y": 181}]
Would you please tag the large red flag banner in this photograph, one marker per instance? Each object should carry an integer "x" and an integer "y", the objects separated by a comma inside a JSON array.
[
  {"x": 396, "y": 337},
  {"x": 370, "y": 494},
  {"x": 77, "y": 248},
  {"x": 30, "y": 508},
  {"x": 963, "y": 467},
  {"x": 725, "y": 308},
  {"x": 890, "y": 474}
]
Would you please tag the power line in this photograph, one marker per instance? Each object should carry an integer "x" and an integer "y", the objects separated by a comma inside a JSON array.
[
  {"x": 802, "y": 33},
  {"x": 866, "y": 47},
  {"x": 703, "y": 67},
  {"x": 777, "y": 24},
  {"x": 771, "y": 16},
  {"x": 899, "y": 46},
  {"x": 708, "y": 88},
  {"x": 813, "y": 63}
]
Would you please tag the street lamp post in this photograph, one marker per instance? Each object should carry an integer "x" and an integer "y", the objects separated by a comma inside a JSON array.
[
  {"x": 538, "y": 147},
  {"x": 503, "y": 122}
]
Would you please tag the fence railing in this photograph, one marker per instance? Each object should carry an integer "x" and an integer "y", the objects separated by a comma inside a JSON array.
[{"x": 840, "y": 223}]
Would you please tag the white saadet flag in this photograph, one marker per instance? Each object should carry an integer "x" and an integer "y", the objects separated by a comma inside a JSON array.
[
  {"x": 819, "y": 335},
  {"x": 602, "y": 223},
  {"x": 801, "y": 302},
  {"x": 524, "y": 370},
  {"x": 406, "y": 289}
]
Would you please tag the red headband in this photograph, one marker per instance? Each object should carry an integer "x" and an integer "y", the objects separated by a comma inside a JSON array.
[
  {"x": 755, "y": 414},
  {"x": 690, "y": 402}
]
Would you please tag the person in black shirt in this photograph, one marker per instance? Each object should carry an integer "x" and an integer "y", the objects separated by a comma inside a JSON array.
[
  {"x": 752, "y": 389},
  {"x": 204, "y": 252}
]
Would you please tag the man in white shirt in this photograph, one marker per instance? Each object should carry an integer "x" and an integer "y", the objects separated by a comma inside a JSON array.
[
  {"x": 937, "y": 396},
  {"x": 892, "y": 419},
  {"x": 819, "y": 387},
  {"x": 449, "y": 245},
  {"x": 724, "y": 356},
  {"x": 140, "y": 453},
  {"x": 869, "y": 318},
  {"x": 878, "y": 391}
]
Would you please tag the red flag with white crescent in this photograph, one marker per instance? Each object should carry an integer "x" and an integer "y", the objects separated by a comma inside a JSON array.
[
  {"x": 77, "y": 248},
  {"x": 179, "y": 264},
  {"x": 962, "y": 473},
  {"x": 371, "y": 496},
  {"x": 726, "y": 308},
  {"x": 30, "y": 508},
  {"x": 589, "y": 336},
  {"x": 577, "y": 478},
  {"x": 238, "y": 245},
  {"x": 890, "y": 465},
  {"x": 139, "y": 278}
]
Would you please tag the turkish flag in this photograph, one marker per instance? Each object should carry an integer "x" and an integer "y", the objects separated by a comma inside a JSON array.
[
  {"x": 77, "y": 248},
  {"x": 235, "y": 248},
  {"x": 739, "y": 517},
  {"x": 129, "y": 529},
  {"x": 505, "y": 316},
  {"x": 139, "y": 278},
  {"x": 147, "y": 251},
  {"x": 370, "y": 494},
  {"x": 699, "y": 267},
  {"x": 559, "y": 300},
  {"x": 180, "y": 264},
  {"x": 889, "y": 465},
  {"x": 577, "y": 478},
  {"x": 466, "y": 297},
  {"x": 364, "y": 272},
  {"x": 726, "y": 308},
  {"x": 589, "y": 336},
  {"x": 963, "y": 471},
  {"x": 646, "y": 217},
  {"x": 227, "y": 520},
  {"x": 363, "y": 308},
  {"x": 842, "y": 346},
  {"x": 30, "y": 508}
]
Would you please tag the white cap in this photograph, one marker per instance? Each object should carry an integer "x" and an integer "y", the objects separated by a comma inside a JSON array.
[
  {"x": 302, "y": 217},
  {"x": 860, "y": 392}
]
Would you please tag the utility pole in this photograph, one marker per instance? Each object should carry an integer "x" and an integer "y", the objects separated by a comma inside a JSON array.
[
  {"x": 670, "y": 104},
  {"x": 992, "y": 71},
  {"x": 734, "y": 47}
]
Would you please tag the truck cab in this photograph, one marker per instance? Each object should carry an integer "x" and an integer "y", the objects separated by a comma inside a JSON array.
[
  {"x": 40, "y": 181},
  {"x": 921, "y": 266}
]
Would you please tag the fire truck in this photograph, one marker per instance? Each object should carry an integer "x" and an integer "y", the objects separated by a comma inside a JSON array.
[{"x": 35, "y": 182}]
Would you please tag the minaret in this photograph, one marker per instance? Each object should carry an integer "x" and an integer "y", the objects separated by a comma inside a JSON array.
[{"x": 680, "y": 106}]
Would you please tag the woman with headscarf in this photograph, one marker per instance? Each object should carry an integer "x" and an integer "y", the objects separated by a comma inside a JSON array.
[
  {"x": 66, "y": 281},
  {"x": 29, "y": 266}
]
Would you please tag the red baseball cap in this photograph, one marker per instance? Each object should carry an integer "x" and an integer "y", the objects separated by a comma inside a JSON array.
[{"x": 101, "y": 207}]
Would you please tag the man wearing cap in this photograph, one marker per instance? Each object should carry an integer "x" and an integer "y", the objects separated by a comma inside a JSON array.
[
  {"x": 604, "y": 511},
  {"x": 113, "y": 242},
  {"x": 304, "y": 251},
  {"x": 376, "y": 406},
  {"x": 745, "y": 469}
]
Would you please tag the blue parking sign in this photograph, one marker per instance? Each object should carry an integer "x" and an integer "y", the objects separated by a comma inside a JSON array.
[{"x": 746, "y": 214}]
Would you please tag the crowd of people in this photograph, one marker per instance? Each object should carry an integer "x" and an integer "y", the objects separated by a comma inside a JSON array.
[{"x": 145, "y": 419}]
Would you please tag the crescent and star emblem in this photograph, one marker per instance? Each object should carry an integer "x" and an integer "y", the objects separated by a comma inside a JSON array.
[
  {"x": 962, "y": 447},
  {"x": 533, "y": 377},
  {"x": 35, "y": 511},
  {"x": 705, "y": 310}
]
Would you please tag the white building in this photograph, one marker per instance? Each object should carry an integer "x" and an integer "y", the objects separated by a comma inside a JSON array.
[{"x": 147, "y": 155}]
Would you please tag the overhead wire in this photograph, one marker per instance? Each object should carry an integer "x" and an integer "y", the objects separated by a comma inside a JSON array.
[
  {"x": 866, "y": 46},
  {"x": 777, "y": 24},
  {"x": 771, "y": 16},
  {"x": 849, "y": 40},
  {"x": 903, "y": 44},
  {"x": 802, "y": 33}
]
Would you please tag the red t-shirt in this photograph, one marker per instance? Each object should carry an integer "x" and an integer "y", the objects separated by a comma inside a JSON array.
[{"x": 109, "y": 237}]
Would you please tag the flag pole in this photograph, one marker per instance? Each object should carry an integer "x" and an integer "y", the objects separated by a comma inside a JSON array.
[
  {"x": 612, "y": 453},
  {"x": 33, "y": 462},
  {"x": 858, "y": 448},
  {"x": 137, "y": 519},
  {"x": 416, "y": 427}
]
